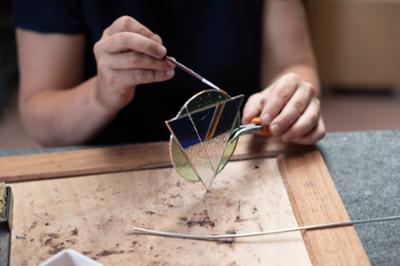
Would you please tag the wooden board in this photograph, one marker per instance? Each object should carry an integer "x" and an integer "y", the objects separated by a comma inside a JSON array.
[
  {"x": 95, "y": 214},
  {"x": 315, "y": 200},
  {"x": 121, "y": 158}
]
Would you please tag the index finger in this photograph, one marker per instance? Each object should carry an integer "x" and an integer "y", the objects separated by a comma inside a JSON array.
[
  {"x": 125, "y": 41},
  {"x": 252, "y": 108},
  {"x": 280, "y": 93},
  {"x": 129, "y": 24}
]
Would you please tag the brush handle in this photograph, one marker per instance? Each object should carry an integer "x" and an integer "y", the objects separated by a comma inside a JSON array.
[
  {"x": 191, "y": 72},
  {"x": 264, "y": 130}
]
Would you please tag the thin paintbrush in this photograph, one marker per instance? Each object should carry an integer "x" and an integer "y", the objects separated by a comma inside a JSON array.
[{"x": 192, "y": 73}]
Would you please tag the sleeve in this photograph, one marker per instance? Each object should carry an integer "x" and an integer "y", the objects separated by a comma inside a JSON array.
[{"x": 49, "y": 16}]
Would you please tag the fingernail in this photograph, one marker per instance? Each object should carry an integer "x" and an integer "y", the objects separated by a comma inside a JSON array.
[
  {"x": 156, "y": 38},
  {"x": 275, "y": 129},
  {"x": 170, "y": 63},
  {"x": 162, "y": 51},
  {"x": 169, "y": 73},
  {"x": 172, "y": 59},
  {"x": 266, "y": 119},
  {"x": 285, "y": 138}
]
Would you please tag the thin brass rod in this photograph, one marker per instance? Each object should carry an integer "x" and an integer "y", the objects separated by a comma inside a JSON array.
[{"x": 223, "y": 237}]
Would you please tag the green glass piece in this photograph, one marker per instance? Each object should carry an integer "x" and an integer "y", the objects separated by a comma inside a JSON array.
[{"x": 179, "y": 159}]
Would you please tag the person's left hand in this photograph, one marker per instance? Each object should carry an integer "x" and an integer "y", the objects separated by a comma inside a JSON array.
[{"x": 291, "y": 108}]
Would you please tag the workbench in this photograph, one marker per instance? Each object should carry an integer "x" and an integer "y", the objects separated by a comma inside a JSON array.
[{"x": 364, "y": 167}]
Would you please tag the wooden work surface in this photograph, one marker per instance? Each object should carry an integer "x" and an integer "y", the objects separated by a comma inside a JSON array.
[{"x": 94, "y": 213}]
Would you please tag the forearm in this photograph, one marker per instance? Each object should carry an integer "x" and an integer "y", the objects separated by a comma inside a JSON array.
[
  {"x": 57, "y": 109},
  {"x": 286, "y": 43},
  {"x": 65, "y": 117}
]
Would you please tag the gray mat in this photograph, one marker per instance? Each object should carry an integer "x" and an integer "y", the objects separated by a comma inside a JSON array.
[{"x": 365, "y": 167}]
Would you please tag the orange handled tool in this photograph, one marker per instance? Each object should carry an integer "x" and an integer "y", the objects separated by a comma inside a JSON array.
[
  {"x": 264, "y": 130},
  {"x": 254, "y": 126}
]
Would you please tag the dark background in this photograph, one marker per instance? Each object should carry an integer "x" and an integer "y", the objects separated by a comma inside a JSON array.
[{"x": 356, "y": 44}]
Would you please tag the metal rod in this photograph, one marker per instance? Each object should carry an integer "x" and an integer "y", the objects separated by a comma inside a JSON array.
[
  {"x": 192, "y": 73},
  {"x": 223, "y": 237}
]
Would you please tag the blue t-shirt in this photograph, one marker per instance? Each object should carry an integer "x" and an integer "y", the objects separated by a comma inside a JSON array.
[{"x": 220, "y": 39}]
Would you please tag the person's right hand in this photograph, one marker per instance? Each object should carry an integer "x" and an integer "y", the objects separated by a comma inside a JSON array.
[{"x": 128, "y": 54}]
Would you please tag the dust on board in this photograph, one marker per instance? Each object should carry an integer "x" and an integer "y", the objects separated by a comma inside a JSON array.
[{"x": 94, "y": 215}]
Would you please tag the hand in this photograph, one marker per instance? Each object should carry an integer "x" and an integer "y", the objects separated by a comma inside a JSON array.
[
  {"x": 128, "y": 54},
  {"x": 291, "y": 108}
]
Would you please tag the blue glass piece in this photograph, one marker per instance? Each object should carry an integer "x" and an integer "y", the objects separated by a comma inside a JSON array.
[
  {"x": 229, "y": 115},
  {"x": 202, "y": 120},
  {"x": 183, "y": 131}
]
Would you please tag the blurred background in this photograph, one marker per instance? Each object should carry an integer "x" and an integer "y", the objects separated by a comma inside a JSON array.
[{"x": 357, "y": 45}]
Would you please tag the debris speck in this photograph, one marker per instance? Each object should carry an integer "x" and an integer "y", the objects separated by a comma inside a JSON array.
[
  {"x": 75, "y": 231},
  {"x": 106, "y": 253},
  {"x": 200, "y": 219}
]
